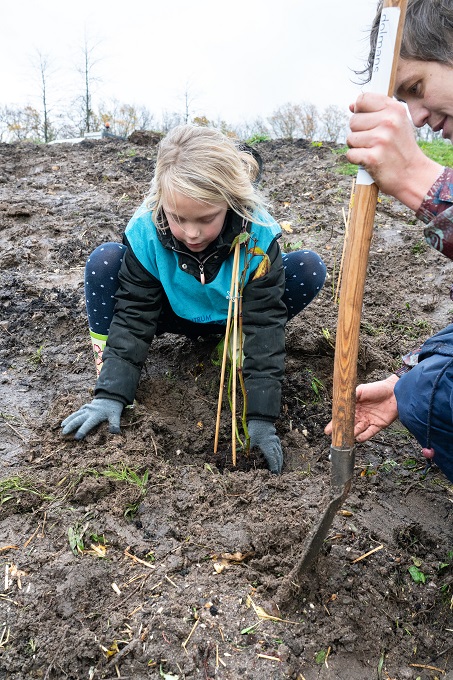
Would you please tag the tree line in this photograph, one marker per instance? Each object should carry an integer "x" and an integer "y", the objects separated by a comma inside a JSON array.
[
  {"x": 290, "y": 121},
  {"x": 43, "y": 123}
]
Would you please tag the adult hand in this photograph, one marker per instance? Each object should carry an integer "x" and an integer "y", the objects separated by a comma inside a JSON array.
[
  {"x": 90, "y": 415},
  {"x": 375, "y": 408},
  {"x": 382, "y": 140},
  {"x": 263, "y": 436}
]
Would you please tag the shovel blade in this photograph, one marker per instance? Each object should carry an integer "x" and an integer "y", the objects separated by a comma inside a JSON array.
[
  {"x": 342, "y": 468},
  {"x": 341, "y": 471}
]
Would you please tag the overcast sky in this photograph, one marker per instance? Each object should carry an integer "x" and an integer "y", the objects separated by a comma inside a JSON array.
[{"x": 239, "y": 59}]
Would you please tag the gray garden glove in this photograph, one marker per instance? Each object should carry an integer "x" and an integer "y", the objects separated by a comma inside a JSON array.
[
  {"x": 262, "y": 435},
  {"x": 90, "y": 415}
]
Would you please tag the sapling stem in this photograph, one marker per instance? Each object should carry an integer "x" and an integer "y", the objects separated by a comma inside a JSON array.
[{"x": 225, "y": 346}]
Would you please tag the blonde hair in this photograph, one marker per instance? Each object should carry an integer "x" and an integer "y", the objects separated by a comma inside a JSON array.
[{"x": 204, "y": 164}]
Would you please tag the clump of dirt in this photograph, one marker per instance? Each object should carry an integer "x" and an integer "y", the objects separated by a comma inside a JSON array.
[{"x": 142, "y": 554}]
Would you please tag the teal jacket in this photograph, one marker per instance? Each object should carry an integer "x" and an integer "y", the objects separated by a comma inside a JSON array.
[{"x": 156, "y": 264}]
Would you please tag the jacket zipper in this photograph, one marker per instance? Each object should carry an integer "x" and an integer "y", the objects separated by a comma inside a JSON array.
[{"x": 200, "y": 263}]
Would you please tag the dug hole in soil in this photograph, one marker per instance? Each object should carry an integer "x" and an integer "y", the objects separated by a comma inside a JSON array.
[{"x": 143, "y": 555}]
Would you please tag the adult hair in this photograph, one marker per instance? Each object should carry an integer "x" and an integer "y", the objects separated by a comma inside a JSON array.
[
  {"x": 204, "y": 164},
  {"x": 427, "y": 34}
]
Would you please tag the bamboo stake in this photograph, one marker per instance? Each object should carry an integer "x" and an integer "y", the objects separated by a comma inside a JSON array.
[
  {"x": 234, "y": 359},
  {"x": 225, "y": 346},
  {"x": 347, "y": 221}
]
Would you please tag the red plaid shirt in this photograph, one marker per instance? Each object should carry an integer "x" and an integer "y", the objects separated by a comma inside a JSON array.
[{"x": 436, "y": 212}]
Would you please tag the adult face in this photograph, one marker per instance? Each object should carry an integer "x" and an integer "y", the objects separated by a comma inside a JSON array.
[
  {"x": 194, "y": 223},
  {"x": 427, "y": 89}
]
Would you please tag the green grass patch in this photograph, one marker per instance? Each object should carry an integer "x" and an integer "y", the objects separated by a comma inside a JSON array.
[
  {"x": 257, "y": 138},
  {"x": 123, "y": 473},
  {"x": 12, "y": 486},
  {"x": 438, "y": 150}
]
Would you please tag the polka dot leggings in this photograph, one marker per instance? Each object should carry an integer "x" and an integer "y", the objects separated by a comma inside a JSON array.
[
  {"x": 305, "y": 274},
  {"x": 101, "y": 284}
]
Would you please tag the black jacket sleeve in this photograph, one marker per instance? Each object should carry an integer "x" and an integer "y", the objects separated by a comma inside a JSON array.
[
  {"x": 137, "y": 309},
  {"x": 264, "y": 316}
]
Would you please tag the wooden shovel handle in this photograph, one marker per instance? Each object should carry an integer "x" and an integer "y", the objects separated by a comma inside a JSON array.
[
  {"x": 352, "y": 287},
  {"x": 349, "y": 313}
]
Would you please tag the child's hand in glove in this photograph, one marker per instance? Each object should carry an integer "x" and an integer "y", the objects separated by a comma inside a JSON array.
[
  {"x": 263, "y": 436},
  {"x": 90, "y": 415}
]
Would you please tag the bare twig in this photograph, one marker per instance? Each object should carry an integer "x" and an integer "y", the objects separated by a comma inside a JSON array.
[
  {"x": 190, "y": 635},
  {"x": 15, "y": 431},
  {"x": 367, "y": 554}
]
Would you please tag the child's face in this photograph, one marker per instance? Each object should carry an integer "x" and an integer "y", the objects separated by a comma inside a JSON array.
[
  {"x": 426, "y": 87},
  {"x": 194, "y": 223}
]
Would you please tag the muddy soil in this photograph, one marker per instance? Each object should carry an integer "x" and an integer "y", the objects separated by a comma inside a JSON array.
[{"x": 143, "y": 555}]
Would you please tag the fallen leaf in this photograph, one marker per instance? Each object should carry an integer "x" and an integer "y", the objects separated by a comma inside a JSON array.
[
  {"x": 115, "y": 588},
  {"x": 112, "y": 650},
  {"x": 96, "y": 549},
  {"x": 17, "y": 574},
  {"x": 262, "y": 614},
  {"x": 286, "y": 226},
  {"x": 225, "y": 560}
]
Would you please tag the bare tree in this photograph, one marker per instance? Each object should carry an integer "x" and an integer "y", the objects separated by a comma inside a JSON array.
[
  {"x": 43, "y": 65},
  {"x": 252, "y": 129},
  {"x": 334, "y": 122},
  {"x": 170, "y": 120},
  {"x": 284, "y": 121},
  {"x": 307, "y": 118},
  {"x": 87, "y": 71},
  {"x": 295, "y": 119},
  {"x": 4, "y": 132},
  {"x": 425, "y": 134},
  {"x": 188, "y": 98}
]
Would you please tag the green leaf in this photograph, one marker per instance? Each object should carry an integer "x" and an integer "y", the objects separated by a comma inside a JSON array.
[
  {"x": 75, "y": 541},
  {"x": 241, "y": 238},
  {"x": 250, "y": 629},
  {"x": 244, "y": 237},
  {"x": 321, "y": 657},
  {"x": 381, "y": 665},
  {"x": 417, "y": 575}
]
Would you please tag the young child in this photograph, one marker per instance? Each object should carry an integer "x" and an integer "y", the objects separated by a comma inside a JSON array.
[{"x": 173, "y": 274}]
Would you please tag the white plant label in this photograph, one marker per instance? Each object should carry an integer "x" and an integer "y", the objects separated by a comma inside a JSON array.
[{"x": 382, "y": 65}]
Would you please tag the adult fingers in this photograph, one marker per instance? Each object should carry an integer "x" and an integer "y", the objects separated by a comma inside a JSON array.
[
  {"x": 363, "y": 432},
  {"x": 368, "y": 102}
]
